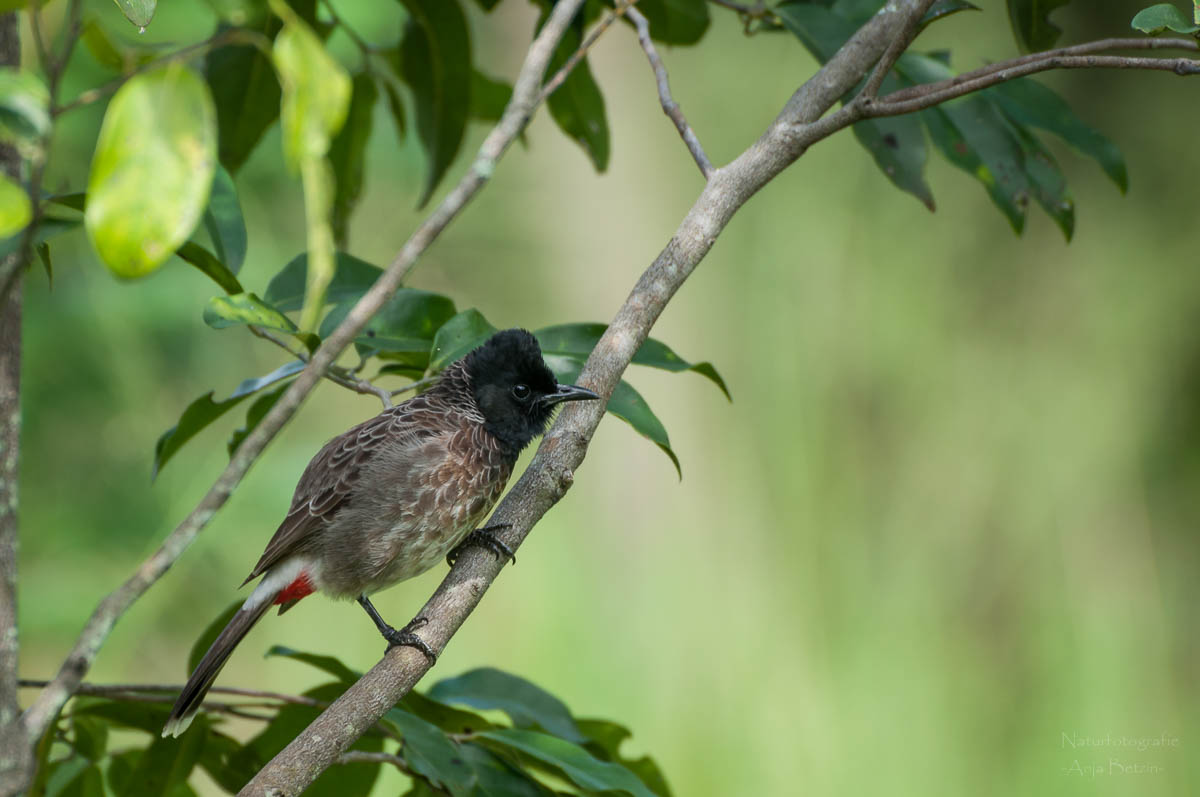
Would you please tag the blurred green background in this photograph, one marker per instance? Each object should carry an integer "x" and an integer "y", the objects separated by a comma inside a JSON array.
[{"x": 948, "y": 521}]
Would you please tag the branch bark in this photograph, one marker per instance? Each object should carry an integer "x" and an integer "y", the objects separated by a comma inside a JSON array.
[
  {"x": 524, "y": 100},
  {"x": 551, "y": 472},
  {"x": 16, "y": 757}
]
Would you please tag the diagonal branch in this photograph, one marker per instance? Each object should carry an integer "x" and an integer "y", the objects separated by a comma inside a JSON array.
[
  {"x": 516, "y": 116},
  {"x": 894, "y": 51},
  {"x": 669, "y": 106},
  {"x": 551, "y": 473}
]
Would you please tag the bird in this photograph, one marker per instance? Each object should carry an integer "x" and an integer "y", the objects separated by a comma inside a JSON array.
[{"x": 394, "y": 495}]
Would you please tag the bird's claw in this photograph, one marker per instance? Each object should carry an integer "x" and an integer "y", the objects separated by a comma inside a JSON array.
[
  {"x": 484, "y": 538},
  {"x": 406, "y": 638}
]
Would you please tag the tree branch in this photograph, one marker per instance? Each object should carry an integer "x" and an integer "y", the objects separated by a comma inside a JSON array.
[
  {"x": 551, "y": 472},
  {"x": 669, "y": 106},
  {"x": 899, "y": 44},
  {"x": 520, "y": 108}
]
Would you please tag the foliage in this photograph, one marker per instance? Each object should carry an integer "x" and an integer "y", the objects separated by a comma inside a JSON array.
[{"x": 162, "y": 187}]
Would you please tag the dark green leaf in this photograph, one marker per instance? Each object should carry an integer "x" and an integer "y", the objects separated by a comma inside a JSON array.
[
  {"x": 245, "y": 308},
  {"x": 327, "y": 664},
  {"x": 973, "y": 135},
  {"x": 1162, "y": 17},
  {"x": 577, "y": 106},
  {"x": 944, "y": 8},
  {"x": 1031, "y": 23},
  {"x": 64, "y": 776},
  {"x": 395, "y": 104},
  {"x": 224, "y": 222},
  {"x": 458, "y": 336},
  {"x": 152, "y": 169},
  {"x": 258, "y": 410},
  {"x": 24, "y": 107},
  {"x": 578, "y": 340},
  {"x": 43, "y": 253},
  {"x": 605, "y": 740},
  {"x": 489, "y": 97},
  {"x": 487, "y": 5},
  {"x": 495, "y": 778},
  {"x": 1047, "y": 182},
  {"x": 347, "y": 154},
  {"x": 209, "y": 635},
  {"x": 91, "y": 737},
  {"x": 87, "y": 783},
  {"x": 431, "y": 753},
  {"x": 570, "y": 760},
  {"x": 435, "y": 62},
  {"x": 203, "y": 411},
  {"x": 1033, "y": 104},
  {"x": 528, "y": 705},
  {"x": 167, "y": 762},
  {"x": 448, "y": 718},
  {"x": 47, "y": 229},
  {"x": 222, "y": 761},
  {"x": 403, "y": 329},
  {"x": 138, "y": 12},
  {"x": 625, "y": 403},
  {"x": 101, "y": 46},
  {"x": 247, "y": 96},
  {"x": 351, "y": 279},
  {"x": 676, "y": 21},
  {"x": 120, "y": 767},
  {"x": 897, "y": 144},
  {"x": 208, "y": 264}
]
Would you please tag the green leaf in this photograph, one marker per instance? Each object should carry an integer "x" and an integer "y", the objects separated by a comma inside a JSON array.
[
  {"x": 70, "y": 777},
  {"x": 395, "y": 104},
  {"x": 1047, "y": 182},
  {"x": 208, "y": 264},
  {"x": 247, "y": 96},
  {"x": 224, "y": 222},
  {"x": 347, "y": 154},
  {"x": 973, "y": 135},
  {"x": 318, "y": 180},
  {"x": 1031, "y": 23},
  {"x": 351, "y": 279},
  {"x": 944, "y": 8},
  {"x": 152, "y": 169},
  {"x": 495, "y": 777},
  {"x": 897, "y": 144},
  {"x": 489, "y": 97},
  {"x": 1162, "y": 17},
  {"x": 605, "y": 738},
  {"x": 138, "y": 12},
  {"x": 91, "y": 737},
  {"x": 15, "y": 210},
  {"x": 245, "y": 308},
  {"x": 448, "y": 718},
  {"x": 457, "y": 336},
  {"x": 222, "y": 761},
  {"x": 203, "y": 411},
  {"x": 24, "y": 108},
  {"x": 166, "y": 763},
  {"x": 434, "y": 59},
  {"x": 1034, "y": 104},
  {"x": 570, "y": 760},
  {"x": 431, "y": 753},
  {"x": 676, "y": 21},
  {"x": 578, "y": 340},
  {"x": 528, "y": 705},
  {"x": 98, "y": 43},
  {"x": 625, "y": 403},
  {"x": 86, "y": 783},
  {"x": 209, "y": 635},
  {"x": 48, "y": 228},
  {"x": 327, "y": 664},
  {"x": 404, "y": 327},
  {"x": 577, "y": 106},
  {"x": 316, "y": 90},
  {"x": 258, "y": 410}
]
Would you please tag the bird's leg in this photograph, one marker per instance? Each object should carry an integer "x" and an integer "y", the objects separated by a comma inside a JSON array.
[
  {"x": 484, "y": 538},
  {"x": 404, "y": 636}
]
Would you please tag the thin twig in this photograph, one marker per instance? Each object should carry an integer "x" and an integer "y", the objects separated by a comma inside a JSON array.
[
  {"x": 669, "y": 106},
  {"x": 173, "y": 689},
  {"x": 339, "y": 376},
  {"x": 104, "y": 617},
  {"x": 417, "y": 385},
  {"x": 581, "y": 52},
  {"x": 367, "y": 757},
  {"x": 899, "y": 44},
  {"x": 759, "y": 12}
]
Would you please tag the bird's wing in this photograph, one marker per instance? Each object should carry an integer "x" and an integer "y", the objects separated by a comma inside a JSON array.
[{"x": 331, "y": 476}]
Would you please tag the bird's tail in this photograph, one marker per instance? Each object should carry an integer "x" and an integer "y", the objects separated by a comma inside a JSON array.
[{"x": 206, "y": 671}]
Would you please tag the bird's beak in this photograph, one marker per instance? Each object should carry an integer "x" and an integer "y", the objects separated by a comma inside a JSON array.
[{"x": 567, "y": 393}]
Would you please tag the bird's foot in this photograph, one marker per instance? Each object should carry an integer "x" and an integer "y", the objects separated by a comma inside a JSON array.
[
  {"x": 406, "y": 638},
  {"x": 484, "y": 538}
]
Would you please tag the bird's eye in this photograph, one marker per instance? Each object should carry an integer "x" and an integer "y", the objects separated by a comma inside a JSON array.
[{"x": 521, "y": 392}]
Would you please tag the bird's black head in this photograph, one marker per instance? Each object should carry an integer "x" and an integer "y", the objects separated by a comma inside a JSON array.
[{"x": 514, "y": 389}]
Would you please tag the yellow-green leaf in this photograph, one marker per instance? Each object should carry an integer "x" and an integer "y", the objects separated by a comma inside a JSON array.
[
  {"x": 15, "y": 210},
  {"x": 152, "y": 170}
]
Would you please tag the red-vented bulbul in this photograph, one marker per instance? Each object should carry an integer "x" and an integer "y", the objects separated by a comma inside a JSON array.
[{"x": 396, "y": 494}]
